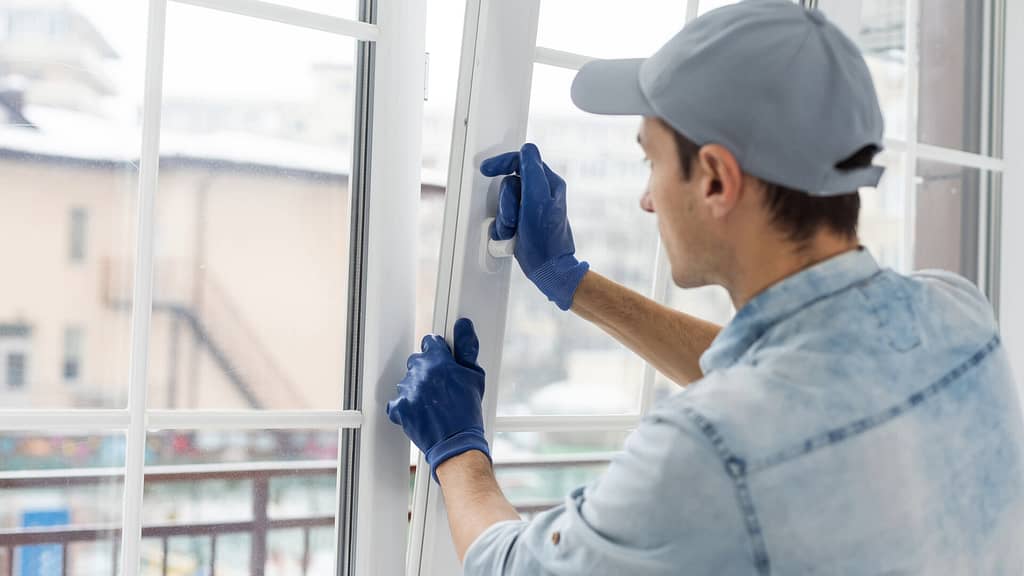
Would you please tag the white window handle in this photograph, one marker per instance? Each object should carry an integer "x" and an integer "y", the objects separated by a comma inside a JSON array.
[{"x": 497, "y": 248}]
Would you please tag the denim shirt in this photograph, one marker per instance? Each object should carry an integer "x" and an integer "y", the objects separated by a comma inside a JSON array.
[{"x": 851, "y": 420}]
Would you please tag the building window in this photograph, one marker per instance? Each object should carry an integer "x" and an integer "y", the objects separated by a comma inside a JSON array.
[
  {"x": 15, "y": 370},
  {"x": 79, "y": 222},
  {"x": 72, "y": 364}
]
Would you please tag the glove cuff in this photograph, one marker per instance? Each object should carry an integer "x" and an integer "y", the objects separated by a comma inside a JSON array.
[
  {"x": 558, "y": 279},
  {"x": 469, "y": 439}
]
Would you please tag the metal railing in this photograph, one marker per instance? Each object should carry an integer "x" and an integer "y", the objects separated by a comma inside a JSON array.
[{"x": 258, "y": 526}]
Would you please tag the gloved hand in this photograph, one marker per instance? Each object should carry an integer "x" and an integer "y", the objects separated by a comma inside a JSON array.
[
  {"x": 531, "y": 203},
  {"x": 438, "y": 404}
]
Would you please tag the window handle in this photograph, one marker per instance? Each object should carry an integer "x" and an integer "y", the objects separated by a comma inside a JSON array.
[{"x": 495, "y": 252}]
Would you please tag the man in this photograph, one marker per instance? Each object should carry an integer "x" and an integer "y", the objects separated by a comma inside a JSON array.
[{"x": 849, "y": 420}]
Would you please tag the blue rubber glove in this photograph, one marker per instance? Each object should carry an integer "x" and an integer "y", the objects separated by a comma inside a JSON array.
[
  {"x": 438, "y": 404},
  {"x": 531, "y": 203}
]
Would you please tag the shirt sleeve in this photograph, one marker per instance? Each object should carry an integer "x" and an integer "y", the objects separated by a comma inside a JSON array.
[{"x": 665, "y": 506}]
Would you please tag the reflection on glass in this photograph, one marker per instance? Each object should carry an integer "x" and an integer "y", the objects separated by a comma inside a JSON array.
[
  {"x": 607, "y": 29},
  {"x": 70, "y": 74},
  {"x": 252, "y": 215},
  {"x": 946, "y": 232},
  {"x": 881, "y": 39},
  {"x": 553, "y": 362},
  {"x": 53, "y": 484},
  {"x": 222, "y": 496}
]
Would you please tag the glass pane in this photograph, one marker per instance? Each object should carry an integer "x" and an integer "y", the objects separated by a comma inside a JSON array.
[
  {"x": 882, "y": 40},
  {"x": 947, "y": 217},
  {"x": 706, "y": 6},
  {"x": 536, "y": 470},
  {"x": 252, "y": 249},
  {"x": 951, "y": 34},
  {"x": 883, "y": 215},
  {"x": 551, "y": 444},
  {"x": 711, "y": 303},
  {"x": 555, "y": 363},
  {"x": 444, "y": 46},
  {"x": 52, "y": 485},
  {"x": 300, "y": 551},
  {"x": 70, "y": 102},
  {"x": 535, "y": 488},
  {"x": 604, "y": 29},
  {"x": 233, "y": 490}
]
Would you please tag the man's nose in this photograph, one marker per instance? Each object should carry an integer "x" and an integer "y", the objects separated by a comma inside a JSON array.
[{"x": 645, "y": 202}]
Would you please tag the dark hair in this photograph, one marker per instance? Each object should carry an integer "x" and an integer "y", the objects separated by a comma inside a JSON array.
[{"x": 798, "y": 214}]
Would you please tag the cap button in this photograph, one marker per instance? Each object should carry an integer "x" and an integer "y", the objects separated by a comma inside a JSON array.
[{"x": 816, "y": 16}]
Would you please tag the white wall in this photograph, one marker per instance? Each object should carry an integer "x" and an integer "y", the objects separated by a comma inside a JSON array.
[{"x": 1012, "y": 271}]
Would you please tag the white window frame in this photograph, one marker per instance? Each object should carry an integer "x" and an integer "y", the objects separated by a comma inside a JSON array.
[
  {"x": 491, "y": 113},
  {"x": 1011, "y": 309},
  {"x": 396, "y": 37}
]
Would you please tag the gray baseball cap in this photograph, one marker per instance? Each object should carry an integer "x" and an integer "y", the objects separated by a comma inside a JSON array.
[{"x": 780, "y": 86}]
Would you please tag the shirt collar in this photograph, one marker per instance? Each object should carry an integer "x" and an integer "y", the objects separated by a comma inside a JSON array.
[{"x": 781, "y": 300}]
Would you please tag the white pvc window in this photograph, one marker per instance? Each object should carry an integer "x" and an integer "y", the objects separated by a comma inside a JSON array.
[{"x": 227, "y": 400}]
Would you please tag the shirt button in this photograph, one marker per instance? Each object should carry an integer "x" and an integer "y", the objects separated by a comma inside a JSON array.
[
  {"x": 556, "y": 537},
  {"x": 735, "y": 466}
]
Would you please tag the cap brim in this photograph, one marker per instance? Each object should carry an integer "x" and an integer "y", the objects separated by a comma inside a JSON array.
[{"x": 611, "y": 87}]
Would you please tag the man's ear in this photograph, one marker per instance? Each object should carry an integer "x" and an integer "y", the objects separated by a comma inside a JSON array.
[{"x": 722, "y": 179}]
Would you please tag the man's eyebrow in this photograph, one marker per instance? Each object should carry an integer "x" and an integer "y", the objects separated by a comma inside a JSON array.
[{"x": 639, "y": 140}]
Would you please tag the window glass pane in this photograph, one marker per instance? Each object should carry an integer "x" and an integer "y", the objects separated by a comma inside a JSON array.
[
  {"x": 706, "y": 6},
  {"x": 52, "y": 485},
  {"x": 882, "y": 40},
  {"x": 71, "y": 75},
  {"x": 947, "y": 218},
  {"x": 79, "y": 231},
  {"x": 538, "y": 487},
  {"x": 607, "y": 29},
  {"x": 551, "y": 444},
  {"x": 239, "y": 491},
  {"x": 711, "y": 303},
  {"x": 444, "y": 46},
  {"x": 951, "y": 69},
  {"x": 72, "y": 363},
  {"x": 883, "y": 215},
  {"x": 555, "y": 363},
  {"x": 252, "y": 215},
  {"x": 536, "y": 470}
]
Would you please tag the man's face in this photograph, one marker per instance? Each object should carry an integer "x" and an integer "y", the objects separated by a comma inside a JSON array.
[{"x": 685, "y": 226}]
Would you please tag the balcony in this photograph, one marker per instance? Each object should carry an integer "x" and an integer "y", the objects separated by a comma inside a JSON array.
[{"x": 54, "y": 541}]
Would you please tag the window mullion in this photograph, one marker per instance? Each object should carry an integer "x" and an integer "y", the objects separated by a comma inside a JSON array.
[
  {"x": 142, "y": 292},
  {"x": 910, "y": 158}
]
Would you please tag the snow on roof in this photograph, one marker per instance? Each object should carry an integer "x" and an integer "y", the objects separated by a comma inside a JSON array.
[{"x": 73, "y": 135}]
